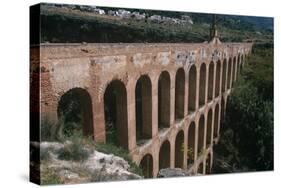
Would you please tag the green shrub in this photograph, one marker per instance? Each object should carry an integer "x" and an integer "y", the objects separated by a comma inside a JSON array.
[
  {"x": 47, "y": 131},
  {"x": 74, "y": 152},
  {"x": 69, "y": 130}
]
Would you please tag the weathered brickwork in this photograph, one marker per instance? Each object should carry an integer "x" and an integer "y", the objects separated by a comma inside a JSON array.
[{"x": 164, "y": 68}]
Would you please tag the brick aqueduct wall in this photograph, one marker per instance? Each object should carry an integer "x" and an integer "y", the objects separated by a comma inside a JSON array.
[{"x": 179, "y": 92}]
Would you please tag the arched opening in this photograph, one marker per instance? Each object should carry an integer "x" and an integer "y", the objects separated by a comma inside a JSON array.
[
  {"x": 200, "y": 169},
  {"x": 229, "y": 73},
  {"x": 238, "y": 63},
  {"x": 143, "y": 109},
  {"x": 191, "y": 144},
  {"x": 209, "y": 164},
  {"x": 224, "y": 75},
  {"x": 222, "y": 109},
  {"x": 192, "y": 89},
  {"x": 179, "y": 150},
  {"x": 241, "y": 63},
  {"x": 216, "y": 122},
  {"x": 218, "y": 75},
  {"x": 201, "y": 135},
  {"x": 164, "y": 84},
  {"x": 211, "y": 81},
  {"x": 179, "y": 94},
  {"x": 164, "y": 155},
  {"x": 115, "y": 110},
  {"x": 209, "y": 127},
  {"x": 202, "y": 85},
  {"x": 233, "y": 71},
  {"x": 75, "y": 113},
  {"x": 146, "y": 165}
]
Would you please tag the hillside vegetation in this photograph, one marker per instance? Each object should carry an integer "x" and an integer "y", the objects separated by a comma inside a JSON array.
[
  {"x": 62, "y": 24},
  {"x": 246, "y": 142}
]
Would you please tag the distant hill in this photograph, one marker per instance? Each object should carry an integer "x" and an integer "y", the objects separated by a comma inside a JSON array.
[
  {"x": 258, "y": 22},
  {"x": 233, "y": 21},
  {"x": 75, "y": 23}
]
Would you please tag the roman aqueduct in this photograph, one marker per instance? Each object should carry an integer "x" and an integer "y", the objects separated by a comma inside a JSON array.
[{"x": 164, "y": 102}]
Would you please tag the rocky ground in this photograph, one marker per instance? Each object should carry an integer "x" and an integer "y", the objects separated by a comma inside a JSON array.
[
  {"x": 96, "y": 166},
  {"x": 172, "y": 172}
]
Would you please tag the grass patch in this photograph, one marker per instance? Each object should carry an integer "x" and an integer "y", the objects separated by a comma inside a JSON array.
[
  {"x": 82, "y": 171},
  {"x": 49, "y": 177},
  {"x": 74, "y": 151},
  {"x": 120, "y": 152}
]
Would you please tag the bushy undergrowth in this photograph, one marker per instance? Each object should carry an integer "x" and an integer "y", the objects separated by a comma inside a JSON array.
[
  {"x": 118, "y": 151},
  {"x": 246, "y": 142},
  {"x": 47, "y": 131},
  {"x": 74, "y": 151}
]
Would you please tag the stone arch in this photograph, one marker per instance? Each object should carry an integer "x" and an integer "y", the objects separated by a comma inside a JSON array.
[
  {"x": 209, "y": 127},
  {"x": 143, "y": 100},
  {"x": 218, "y": 75},
  {"x": 201, "y": 127},
  {"x": 241, "y": 63},
  {"x": 229, "y": 73},
  {"x": 164, "y": 87},
  {"x": 146, "y": 165},
  {"x": 208, "y": 164},
  {"x": 202, "y": 84},
  {"x": 238, "y": 65},
  {"x": 211, "y": 81},
  {"x": 234, "y": 70},
  {"x": 216, "y": 121},
  {"x": 224, "y": 66},
  {"x": 222, "y": 109},
  {"x": 116, "y": 117},
  {"x": 179, "y": 150},
  {"x": 191, "y": 144},
  {"x": 192, "y": 84},
  {"x": 164, "y": 155},
  {"x": 75, "y": 113},
  {"x": 179, "y": 94}
]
